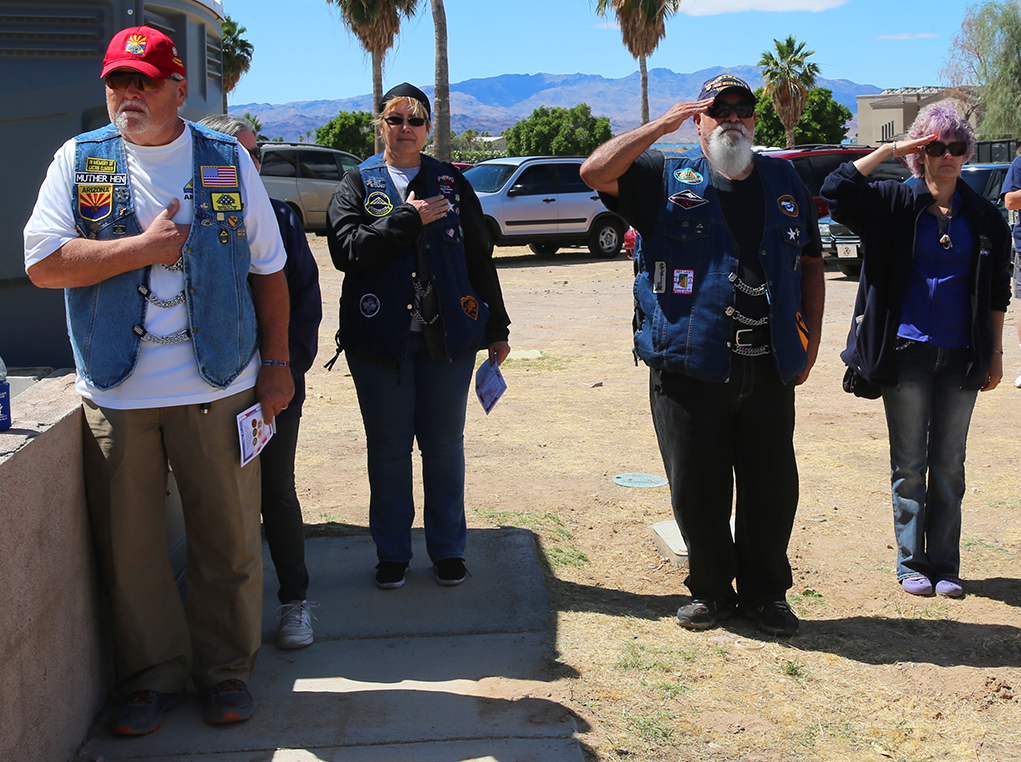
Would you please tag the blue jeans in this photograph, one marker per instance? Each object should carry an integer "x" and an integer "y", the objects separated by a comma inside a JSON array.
[
  {"x": 928, "y": 414},
  {"x": 423, "y": 399}
]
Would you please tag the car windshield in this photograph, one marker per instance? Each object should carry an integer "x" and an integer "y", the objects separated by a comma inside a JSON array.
[
  {"x": 977, "y": 179},
  {"x": 488, "y": 178}
]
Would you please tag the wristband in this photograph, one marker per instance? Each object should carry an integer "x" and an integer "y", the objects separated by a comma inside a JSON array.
[
  {"x": 277, "y": 363},
  {"x": 998, "y": 350},
  {"x": 894, "y": 149}
]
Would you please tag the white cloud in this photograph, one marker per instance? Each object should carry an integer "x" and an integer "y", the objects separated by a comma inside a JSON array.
[
  {"x": 715, "y": 7},
  {"x": 907, "y": 36}
]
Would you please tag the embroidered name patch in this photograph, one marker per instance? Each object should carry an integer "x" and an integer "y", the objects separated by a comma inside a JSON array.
[
  {"x": 219, "y": 177},
  {"x": 369, "y": 305},
  {"x": 375, "y": 182},
  {"x": 100, "y": 165},
  {"x": 227, "y": 202},
  {"x": 684, "y": 281},
  {"x": 91, "y": 178},
  {"x": 378, "y": 204},
  {"x": 95, "y": 201},
  {"x": 688, "y": 176},
  {"x": 788, "y": 205},
  {"x": 687, "y": 199},
  {"x": 470, "y": 305}
]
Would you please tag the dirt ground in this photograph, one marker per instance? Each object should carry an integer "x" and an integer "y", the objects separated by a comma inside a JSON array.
[{"x": 874, "y": 675}]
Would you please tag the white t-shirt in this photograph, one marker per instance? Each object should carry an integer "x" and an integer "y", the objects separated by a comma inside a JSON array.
[{"x": 166, "y": 374}]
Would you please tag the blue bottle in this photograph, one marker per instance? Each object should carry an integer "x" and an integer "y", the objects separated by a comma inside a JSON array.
[{"x": 5, "y": 398}]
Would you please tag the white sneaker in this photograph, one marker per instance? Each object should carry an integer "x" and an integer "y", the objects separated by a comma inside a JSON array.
[
  {"x": 1017, "y": 382},
  {"x": 295, "y": 624}
]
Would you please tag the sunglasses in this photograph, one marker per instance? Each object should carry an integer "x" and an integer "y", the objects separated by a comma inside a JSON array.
[
  {"x": 396, "y": 120},
  {"x": 256, "y": 153},
  {"x": 723, "y": 110},
  {"x": 937, "y": 149},
  {"x": 121, "y": 80}
]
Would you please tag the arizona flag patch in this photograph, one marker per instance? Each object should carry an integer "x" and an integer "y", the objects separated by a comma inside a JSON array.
[
  {"x": 95, "y": 202},
  {"x": 136, "y": 45}
]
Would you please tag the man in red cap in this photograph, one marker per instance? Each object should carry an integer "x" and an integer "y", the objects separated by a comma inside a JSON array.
[{"x": 164, "y": 240}]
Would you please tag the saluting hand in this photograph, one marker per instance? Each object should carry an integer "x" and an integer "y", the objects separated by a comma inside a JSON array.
[{"x": 679, "y": 112}]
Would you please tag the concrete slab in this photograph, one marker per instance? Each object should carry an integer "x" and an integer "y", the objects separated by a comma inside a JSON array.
[
  {"x": 670, "y": 544},
  {"x": 419, "y": 674}
]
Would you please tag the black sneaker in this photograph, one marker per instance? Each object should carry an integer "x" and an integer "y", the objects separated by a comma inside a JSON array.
[
  {"x": 450, "y": 571},
  {"x": 390, "y": 574},
  {"x": 773, "y": 616},
  {"x": 142, "y": 712},
  {"x": 703, "y": 613},
  {"x": 227, "y": 701}
]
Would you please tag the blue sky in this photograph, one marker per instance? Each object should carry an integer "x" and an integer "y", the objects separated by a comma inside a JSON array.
[{"x": 302, "y": 51}]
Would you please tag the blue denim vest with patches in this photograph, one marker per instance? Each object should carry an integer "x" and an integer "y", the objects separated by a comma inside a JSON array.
[
  {"x": 106, "y": 321},
  {"x": 686, "y": 268},
  {"x": 376, "y": 306}
]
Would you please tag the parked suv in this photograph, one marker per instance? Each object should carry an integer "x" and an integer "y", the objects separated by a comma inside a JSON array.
[
  {"x": 814, "y": 162},
  {"x": 304, "y": 175},
  {"x": 541, "y": 201}
]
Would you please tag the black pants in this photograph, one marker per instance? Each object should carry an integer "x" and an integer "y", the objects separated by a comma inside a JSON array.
[
  {"x": 281, "y": 512},
  {"x": 711, "y": 435}
]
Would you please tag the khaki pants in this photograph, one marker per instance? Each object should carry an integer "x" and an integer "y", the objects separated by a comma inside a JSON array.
[{"x": 158, "y": 640}]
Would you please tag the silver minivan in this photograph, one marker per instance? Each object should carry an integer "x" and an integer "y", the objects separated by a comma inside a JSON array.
[{"x": 304, "y": 176}]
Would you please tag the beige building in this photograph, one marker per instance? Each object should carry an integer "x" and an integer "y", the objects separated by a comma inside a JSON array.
[{"x": 887, "y": 115}]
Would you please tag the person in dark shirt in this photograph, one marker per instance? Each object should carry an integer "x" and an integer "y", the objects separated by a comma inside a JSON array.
[{"x": 728, "y": 308}]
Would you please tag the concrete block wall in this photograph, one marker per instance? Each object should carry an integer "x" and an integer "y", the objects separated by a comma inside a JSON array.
[{"x": 54, "y": 662}]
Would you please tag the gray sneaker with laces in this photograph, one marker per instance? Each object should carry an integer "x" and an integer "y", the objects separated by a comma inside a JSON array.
[
  {"x": 295, "y": 624},
  {"x": 703, "y": 613}
]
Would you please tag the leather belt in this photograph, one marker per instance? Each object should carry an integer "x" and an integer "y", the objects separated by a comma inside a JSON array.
[{"x": 751, "y": 338}]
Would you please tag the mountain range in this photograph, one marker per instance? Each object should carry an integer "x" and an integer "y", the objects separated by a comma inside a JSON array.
[{"x": 493, "y": 104}]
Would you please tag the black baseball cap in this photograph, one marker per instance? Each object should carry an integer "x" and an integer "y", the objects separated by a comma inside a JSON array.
[
  {"x": 713, "y": 88},
  {"x": 407, "y": 90}
]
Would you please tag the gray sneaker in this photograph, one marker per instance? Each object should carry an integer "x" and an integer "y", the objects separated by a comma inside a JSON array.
[
  {"x": 295, "y": 624},
  {"x": 703, "y": 613}
]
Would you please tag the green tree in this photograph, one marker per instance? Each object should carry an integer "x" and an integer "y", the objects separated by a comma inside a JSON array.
[
  {"x": 257, "y": 124},
  {"x": 823, "y": 120},
  {"x": 236, "y": 55},
  {"x": 552, "y": 131},
  {"x": 984, "y": 67},
  {"x": 788, "y": 77},
  {"x": 349, "y": 131},
  {"x": 642, "y": 26}
]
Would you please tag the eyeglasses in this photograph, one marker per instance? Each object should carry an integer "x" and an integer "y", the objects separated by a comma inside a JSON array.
[
  {"x": 937, "y": 149},
  {"x": 121, "y": 81},
  {"x": 395, "y": 120},
  {"x": 723, "y": 110},
  {"x": 256, "y": 153}
]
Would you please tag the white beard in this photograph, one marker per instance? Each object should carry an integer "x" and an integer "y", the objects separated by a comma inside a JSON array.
[{"x": 729, "y": 149}]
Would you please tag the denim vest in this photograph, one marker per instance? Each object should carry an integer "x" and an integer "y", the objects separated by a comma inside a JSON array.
[
  {"x": 106, "y": 321},
  {"x": 376, "y": 306},
  {"x": 686, "y": 268}
]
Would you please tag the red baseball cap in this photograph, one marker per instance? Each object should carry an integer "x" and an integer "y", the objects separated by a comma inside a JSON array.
[{"x": 143, "y": 49}]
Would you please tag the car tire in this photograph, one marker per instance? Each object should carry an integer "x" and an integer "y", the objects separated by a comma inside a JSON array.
[
  {"x": 606, "y": 238},
  {"x": 544, "y": 248},
  {"x": 850, "y": 269}
]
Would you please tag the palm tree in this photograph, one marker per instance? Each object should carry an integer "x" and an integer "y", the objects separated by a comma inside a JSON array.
[
  {"x": 375, "y": 23},
  {"x": 788, "y": 77},
  {"x": 642, "y": 26},
  {"x": 237, "y": 55},
  {"x": 441, "y": 96}
]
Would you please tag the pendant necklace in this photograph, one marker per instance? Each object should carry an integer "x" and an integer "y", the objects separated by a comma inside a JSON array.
[{"x": 944, "y": 227}]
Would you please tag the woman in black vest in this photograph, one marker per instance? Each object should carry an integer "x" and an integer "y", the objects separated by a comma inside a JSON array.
[{"x": 421, "y": 296}]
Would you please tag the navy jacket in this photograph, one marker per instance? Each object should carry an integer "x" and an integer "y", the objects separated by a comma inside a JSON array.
[{"x": 885, "y": 215}]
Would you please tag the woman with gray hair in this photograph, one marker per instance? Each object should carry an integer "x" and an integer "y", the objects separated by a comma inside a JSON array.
[{"x": 928, "y": 328}]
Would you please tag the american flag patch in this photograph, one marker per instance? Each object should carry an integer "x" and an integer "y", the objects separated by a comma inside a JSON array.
[{"x": 219, "y": 177}]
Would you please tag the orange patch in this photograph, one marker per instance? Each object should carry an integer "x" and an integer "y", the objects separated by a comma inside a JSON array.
[{"x": 470, "y": 305}]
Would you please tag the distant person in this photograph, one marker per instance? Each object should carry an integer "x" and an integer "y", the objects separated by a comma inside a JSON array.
[
  {"x": 421, "y": 296},
  {"x": 935, "y": 288},
  {"x": 177, "y": 313},
  {"x": 1011, "y": 193},
  {"x": 281, "y": 510},
  {"x": 728, "y": 307}
]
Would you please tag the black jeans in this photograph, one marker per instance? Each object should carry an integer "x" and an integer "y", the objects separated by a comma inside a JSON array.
[
  {"x": 711, "y": 435},
  {"x": 281, "y": 512}
]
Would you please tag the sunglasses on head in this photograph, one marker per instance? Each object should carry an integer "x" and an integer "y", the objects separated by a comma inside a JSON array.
[
  {"x": 121, "y": 81},
  {"x": 723, "y": 110},
  {"x": 396, "y": 120},
  {"x": 937, "y": 149}
]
